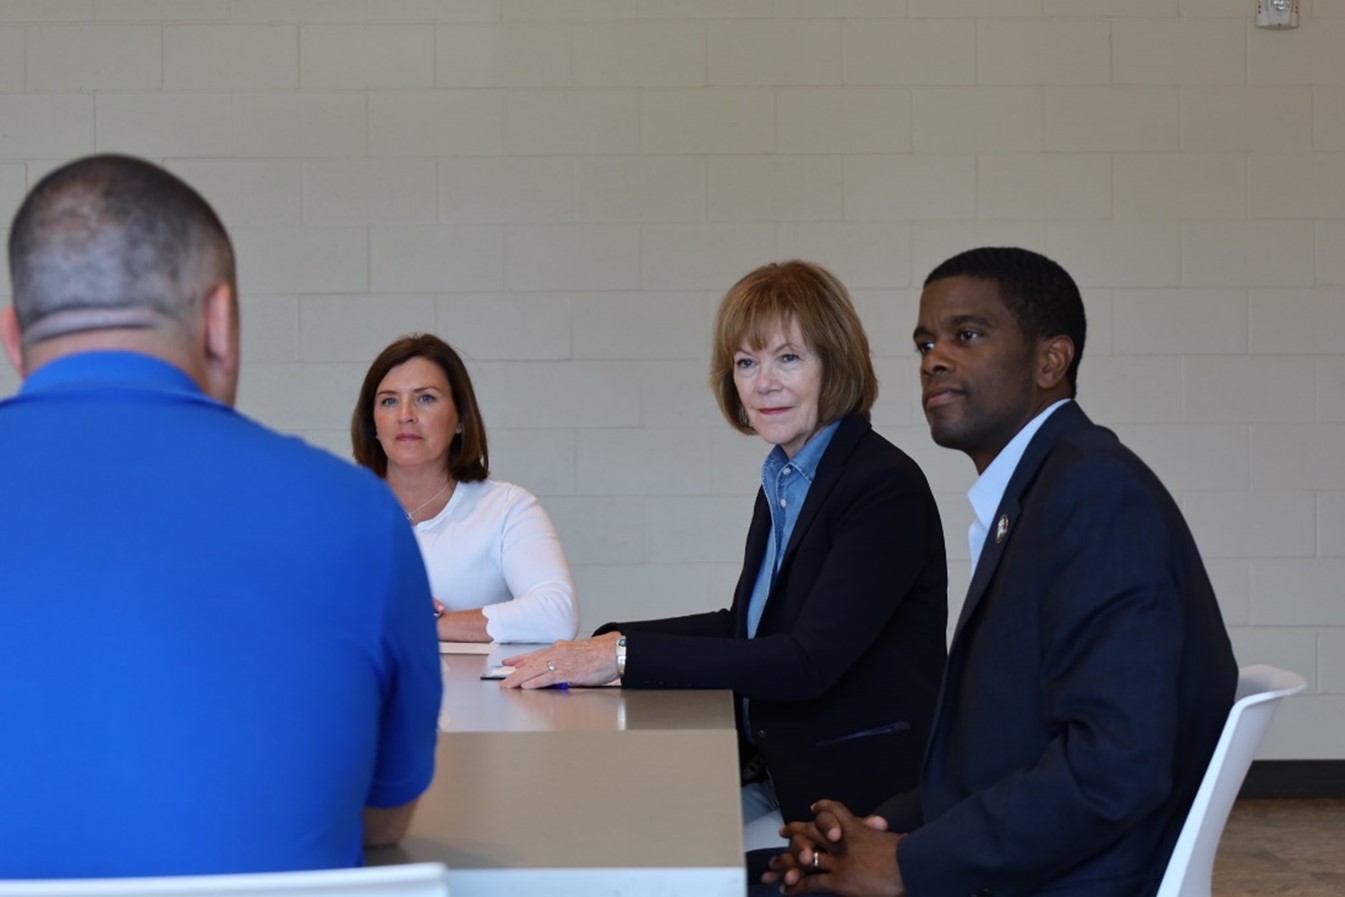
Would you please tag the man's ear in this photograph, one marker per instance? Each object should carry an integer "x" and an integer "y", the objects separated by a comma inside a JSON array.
[
  {"x": 12, "y": 338},
  {"x": 1054, "y": 356},
  {"x": 221, "y": 343}
]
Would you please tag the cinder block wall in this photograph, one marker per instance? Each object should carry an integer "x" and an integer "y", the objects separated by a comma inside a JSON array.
[{"x": 563, "y": 189}]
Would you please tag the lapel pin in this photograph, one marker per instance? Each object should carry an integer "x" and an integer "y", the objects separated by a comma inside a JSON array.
[{"x": 1001, "y": 528}]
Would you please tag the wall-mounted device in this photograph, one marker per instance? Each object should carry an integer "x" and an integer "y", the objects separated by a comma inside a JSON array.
[{"x": 1276, "y": 13}]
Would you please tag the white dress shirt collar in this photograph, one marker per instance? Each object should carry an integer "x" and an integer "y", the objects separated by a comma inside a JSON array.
[{"x": 985, "y": 494}]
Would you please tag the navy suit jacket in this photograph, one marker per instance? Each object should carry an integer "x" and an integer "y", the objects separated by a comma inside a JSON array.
[
  {"x": 841, "y": 677},
  {"x": 1087, "y": 683}
]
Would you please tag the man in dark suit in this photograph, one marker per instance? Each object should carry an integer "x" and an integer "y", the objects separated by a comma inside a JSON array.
[{"x": 1090, "y": 674}]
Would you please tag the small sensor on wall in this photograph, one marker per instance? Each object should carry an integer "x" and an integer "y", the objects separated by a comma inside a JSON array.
[{"x": 1277, "y": 14}]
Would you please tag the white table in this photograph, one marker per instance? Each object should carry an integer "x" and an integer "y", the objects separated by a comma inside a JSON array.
[{"x": 579, "y": 792}]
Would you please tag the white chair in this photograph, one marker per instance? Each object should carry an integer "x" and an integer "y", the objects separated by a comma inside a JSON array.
[
  {"x": 1260, "y": 690},
  {"x": 411, "y": 880}
]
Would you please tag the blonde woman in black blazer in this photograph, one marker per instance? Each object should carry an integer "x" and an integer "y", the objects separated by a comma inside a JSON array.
[{"x": 837, "y": 660}]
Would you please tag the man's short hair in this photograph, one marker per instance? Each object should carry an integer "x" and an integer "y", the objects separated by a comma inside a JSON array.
[
  {"x": 1040, "y": 294},
  {"x": 109, "y": 242},
  {"x": 776, "y": 295}
]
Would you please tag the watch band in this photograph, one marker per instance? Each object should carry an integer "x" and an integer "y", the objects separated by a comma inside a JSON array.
[{"x": 621, "y": 657}]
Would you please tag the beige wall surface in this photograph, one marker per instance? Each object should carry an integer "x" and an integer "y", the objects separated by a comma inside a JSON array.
[{"x": 564, "y": 188}]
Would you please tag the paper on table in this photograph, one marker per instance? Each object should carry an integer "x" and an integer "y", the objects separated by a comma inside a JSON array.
[
  {"x": 465, "y": 647},
  {"x": 499, "y": 672}
]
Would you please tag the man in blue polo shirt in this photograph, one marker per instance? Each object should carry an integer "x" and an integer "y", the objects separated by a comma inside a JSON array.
[{"x": 216, "y": 643}]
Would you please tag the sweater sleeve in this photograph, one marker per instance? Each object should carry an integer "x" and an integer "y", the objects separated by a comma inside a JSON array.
[{"x": 544, "y": 607}]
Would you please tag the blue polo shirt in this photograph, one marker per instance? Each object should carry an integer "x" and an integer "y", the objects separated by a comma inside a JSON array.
[{"x": 215, "y": 641}]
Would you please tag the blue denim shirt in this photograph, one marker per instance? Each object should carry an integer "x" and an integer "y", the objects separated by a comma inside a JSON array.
[{"x": 786, "y": 482}]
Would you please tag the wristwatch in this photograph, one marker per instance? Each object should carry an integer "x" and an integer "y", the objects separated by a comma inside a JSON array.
[{"x": 621, "y": 657}]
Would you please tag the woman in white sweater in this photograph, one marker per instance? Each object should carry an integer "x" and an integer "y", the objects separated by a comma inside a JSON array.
[{"x": 496, "y": 566}]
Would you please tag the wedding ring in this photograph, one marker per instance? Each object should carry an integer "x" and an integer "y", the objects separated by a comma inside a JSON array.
[
  {"x": 817, "y": 859},
  {"x": 550, "y": 666}
]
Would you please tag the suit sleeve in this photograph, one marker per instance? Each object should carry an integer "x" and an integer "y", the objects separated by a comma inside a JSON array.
[
  {"x": 866, "y": 546},
  {"x": 1110, "y": 627},
  {"x": 713, "y": 623}
]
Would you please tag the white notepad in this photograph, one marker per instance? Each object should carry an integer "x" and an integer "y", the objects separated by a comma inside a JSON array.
[{"x": 466, "y": 647}]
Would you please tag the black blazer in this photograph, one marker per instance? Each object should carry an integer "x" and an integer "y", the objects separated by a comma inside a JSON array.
[
  {"x": 1087, "y": 683},
  {"x": 841, "y": 677}
]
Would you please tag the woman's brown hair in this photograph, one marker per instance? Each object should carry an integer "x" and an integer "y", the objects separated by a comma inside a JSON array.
[
  {"x": 468, "y": 459},
  {"x": 776, "y": 295}
]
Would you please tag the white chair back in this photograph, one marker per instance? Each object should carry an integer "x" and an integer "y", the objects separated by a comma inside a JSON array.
[
  {"x": 411, "y": 880},
  {"x": 1260, "y": 690}
]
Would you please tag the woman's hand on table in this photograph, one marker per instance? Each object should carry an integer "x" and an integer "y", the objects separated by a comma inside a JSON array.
[
  {"x": 590, "y": 661},
  {"x": 459, "y": 625}
]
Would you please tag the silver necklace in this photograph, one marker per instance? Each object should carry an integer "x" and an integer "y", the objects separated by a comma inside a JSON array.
[{"x": 411, "y": 515}]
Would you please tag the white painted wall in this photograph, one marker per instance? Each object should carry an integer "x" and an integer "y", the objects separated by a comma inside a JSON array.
[{"x": 563, "y": 189}]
